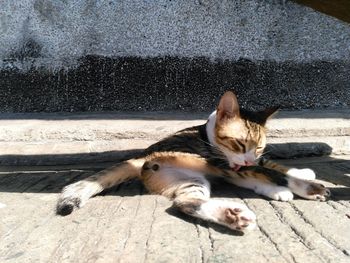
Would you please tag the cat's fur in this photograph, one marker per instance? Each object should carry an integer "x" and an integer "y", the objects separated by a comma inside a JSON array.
[{"x": 229, "y": 145}]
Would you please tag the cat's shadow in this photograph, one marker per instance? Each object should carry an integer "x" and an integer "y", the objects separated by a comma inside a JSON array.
[
  {"x": 173, "y": 211},
  {"x": 219, "y": 190}
]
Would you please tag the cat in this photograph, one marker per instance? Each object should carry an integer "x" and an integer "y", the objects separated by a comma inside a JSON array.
[{"x": 229, "y": 145}]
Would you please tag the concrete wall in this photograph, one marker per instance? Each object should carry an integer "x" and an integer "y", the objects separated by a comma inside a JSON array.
[{"x": 55, "y": 39}]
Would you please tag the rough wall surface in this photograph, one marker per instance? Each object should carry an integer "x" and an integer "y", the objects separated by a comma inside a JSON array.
[{"x": 58, "y": 55}]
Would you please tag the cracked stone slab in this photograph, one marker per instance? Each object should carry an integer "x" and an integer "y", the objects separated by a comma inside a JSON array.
[{"x": 126, "y": 224}]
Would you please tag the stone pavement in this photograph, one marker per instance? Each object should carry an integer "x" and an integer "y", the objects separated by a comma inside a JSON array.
[
  {"x": 125, "y": 224},
  {"x": 40, "y": 153}
]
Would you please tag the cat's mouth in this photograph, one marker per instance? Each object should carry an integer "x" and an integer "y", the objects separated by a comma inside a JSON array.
[{"x": 236, "y": 167}]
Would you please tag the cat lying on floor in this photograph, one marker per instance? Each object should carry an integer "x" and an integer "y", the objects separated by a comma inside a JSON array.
[{"x": 229, "y": 145}]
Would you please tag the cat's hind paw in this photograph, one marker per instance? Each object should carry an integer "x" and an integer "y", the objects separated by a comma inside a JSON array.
[{"x": 239, "y": 219}]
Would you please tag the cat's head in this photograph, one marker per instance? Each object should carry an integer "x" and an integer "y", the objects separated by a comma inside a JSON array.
[{"x": 238, "y": 133}]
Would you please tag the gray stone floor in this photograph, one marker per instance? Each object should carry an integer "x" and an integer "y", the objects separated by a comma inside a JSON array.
[{"x": 125, "y": 224}]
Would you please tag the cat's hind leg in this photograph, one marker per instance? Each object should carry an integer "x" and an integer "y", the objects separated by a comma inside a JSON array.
[
  {"x": 75, "y": 195},
  {"x": 190, "y": 192}
]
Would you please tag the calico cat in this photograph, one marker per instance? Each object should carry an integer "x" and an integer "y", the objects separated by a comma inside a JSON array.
[{"x": 229, "y": 145}]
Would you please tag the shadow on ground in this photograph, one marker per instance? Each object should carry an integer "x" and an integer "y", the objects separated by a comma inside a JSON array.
[
  {"x": 274, "y": 151},
  {"x": 51, "y": 179}
]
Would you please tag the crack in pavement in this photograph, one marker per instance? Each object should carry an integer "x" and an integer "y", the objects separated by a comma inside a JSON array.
[
  {"x": 151, "y": 228},
  {"x": 212, "y": 247},
  {"x": 200, "y": 243},
  {"x": 295, "y": 231},
  {"x": 133, "y": 221},
  {"x": 265, "y": 233},
  {"x": 307, "y": 221}
]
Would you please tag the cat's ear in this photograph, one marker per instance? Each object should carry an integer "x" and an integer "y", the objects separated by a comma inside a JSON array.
[
  {"x": 228, "y": 107},
  {"x": 267, "y": 114}
]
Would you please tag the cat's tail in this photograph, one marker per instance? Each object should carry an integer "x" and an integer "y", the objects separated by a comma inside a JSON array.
[{"x": 75, "y": 195}]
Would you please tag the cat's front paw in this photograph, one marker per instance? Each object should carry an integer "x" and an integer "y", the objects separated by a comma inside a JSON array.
[
  {"x": 240, "y": 219},
  {"x": 279, "y": 193},
  {"x": 309, "y": 190},
  {"x": 315, "y": 191},
  {"x": 282, "y": 194}
]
